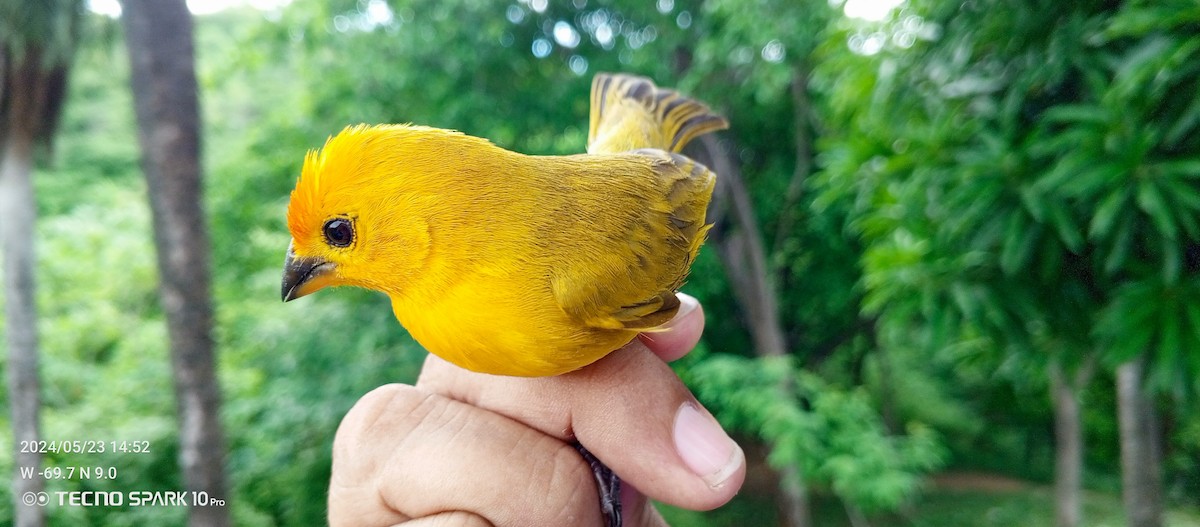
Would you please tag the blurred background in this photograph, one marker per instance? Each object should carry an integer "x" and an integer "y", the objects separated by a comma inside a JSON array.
[{"x": 955, "y": 278}]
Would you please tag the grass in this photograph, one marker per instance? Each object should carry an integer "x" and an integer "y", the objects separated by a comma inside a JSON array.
[{"x": 1028, "y": 506}]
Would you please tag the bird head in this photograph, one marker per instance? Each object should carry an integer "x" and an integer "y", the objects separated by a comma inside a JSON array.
[{"x": 356, "y": 215}]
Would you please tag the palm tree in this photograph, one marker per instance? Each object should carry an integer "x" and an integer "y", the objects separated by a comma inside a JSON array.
[{"x": 37, "y": 42}]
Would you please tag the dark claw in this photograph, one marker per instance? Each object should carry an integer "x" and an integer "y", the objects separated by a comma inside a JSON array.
[{"x": 609, "y": 486}]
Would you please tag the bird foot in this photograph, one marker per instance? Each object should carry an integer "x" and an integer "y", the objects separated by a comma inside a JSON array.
[{"x": 609, "y": 486}]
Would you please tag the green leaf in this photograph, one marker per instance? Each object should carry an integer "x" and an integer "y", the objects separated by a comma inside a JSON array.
[
  {"x": 1019, "y": 240},
  {"x": 1064, "y": 224},
  {"x": 1131, "y": 343},
  {"x": 1192, "y": 310},
  {"x": 1144, "y": 18},
  {"x": 1091, "y": 180},
  {"x": 1187, "y": 168},
  {"x": 1107, "y": 213},
  {"x": 1034, "y": 201},
  {"x": 1133, "y": 23},
  {"x": 1139, "y": 64},
  {"x": 1185, "y": 123},
  {"x": 1151, "y": 202},
  {"x": 1171, "y": 261},
  {"x": 1182, "y": 192},
  {"x": 1067, "y": 141},
  {"x": 1121, "y": 246},
  {"x": 1077, "y": 113},
  {"x": 1126, "y": 324},
  {"x": 1170, "y": 348},
  {"x": 967, "y": 301},
  {"x": 1063, "y": 170},
  {"x": 1186, "y": 199}
]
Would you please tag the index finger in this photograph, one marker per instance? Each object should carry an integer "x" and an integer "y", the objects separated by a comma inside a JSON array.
[
  {"x": 679, "y": 335},
  {"x": 628, "y": 409}
]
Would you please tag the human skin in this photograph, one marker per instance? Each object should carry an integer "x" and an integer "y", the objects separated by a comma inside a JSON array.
[{"x": 463, "y": 448}]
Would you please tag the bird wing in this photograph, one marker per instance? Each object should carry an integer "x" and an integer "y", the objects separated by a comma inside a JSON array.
[
  {"x": 653, "y": 226},
  {"x": 637, "y": 260}
]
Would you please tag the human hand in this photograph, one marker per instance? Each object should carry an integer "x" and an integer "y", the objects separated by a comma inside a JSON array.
[{"x": 464, "y": 448}]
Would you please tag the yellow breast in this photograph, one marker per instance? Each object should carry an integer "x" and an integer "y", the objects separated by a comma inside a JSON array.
[{"x": 481, "y": 324}]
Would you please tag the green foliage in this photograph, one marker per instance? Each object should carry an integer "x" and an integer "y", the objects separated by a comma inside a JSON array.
[
  {"x": 103, "y": 349},
  {"x": 1154, "y": 315},
  {"x": 743, "y": 510},
  {"x": 286, "y": 380},
  {"x": 1071, "y": 178},
  {"x": 998, "y": 187},
  {"x": 1022, "y": 507},
  {"x": 1182, "y": 459},
  {"x": 1024, "y": 186},
  {"x": 996, "y": 502},
  {"x": 834, "y": 436},
  {"x": 50, "y": 26}
]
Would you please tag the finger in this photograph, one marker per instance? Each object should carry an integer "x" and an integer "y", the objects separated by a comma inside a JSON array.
[
  {"x": 679, "y": 335},
  {"x": 404, "y": 453},
  {"x": 629, "y": 409},
  {"x": 449, "y": 519},
  {"x": 634, "y": 413},
  {"x": 636, "y": 509}
]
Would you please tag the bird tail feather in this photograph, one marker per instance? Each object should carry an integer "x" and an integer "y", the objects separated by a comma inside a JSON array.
[{"x": 630, "y": 112}]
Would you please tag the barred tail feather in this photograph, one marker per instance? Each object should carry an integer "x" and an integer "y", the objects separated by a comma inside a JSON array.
[{"x": 630, "y": 112}]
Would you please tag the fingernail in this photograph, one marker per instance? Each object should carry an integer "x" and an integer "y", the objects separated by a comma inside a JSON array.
[
  {"x": 704, "y": 446},
  {"x": 687, "y": 304}
]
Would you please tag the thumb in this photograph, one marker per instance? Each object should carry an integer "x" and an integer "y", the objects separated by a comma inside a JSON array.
[
  {"x": 649, "y": 429},
  {"x": 629, "y": 409}
]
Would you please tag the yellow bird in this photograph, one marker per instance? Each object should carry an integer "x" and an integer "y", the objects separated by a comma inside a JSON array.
[{"x": 506, "y": 263}]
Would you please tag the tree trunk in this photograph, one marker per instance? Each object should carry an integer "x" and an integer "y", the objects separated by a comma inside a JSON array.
[
  {"x": 1141, "y": 466},
  {"x": 794, "y": 507},
  {"x": 745, "y": 260},
  {"x": 1068, "y": 454},
  {"x": 159, "y": 38},
  {"x": 801, "y": 122},
  {"x": 28, "y": 91},
  {"x": 18, "y": 212},
  {"x": 742, "y": 252}
]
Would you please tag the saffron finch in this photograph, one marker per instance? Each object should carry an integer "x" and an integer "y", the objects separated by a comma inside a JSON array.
[{"x": 506, "y": 263}]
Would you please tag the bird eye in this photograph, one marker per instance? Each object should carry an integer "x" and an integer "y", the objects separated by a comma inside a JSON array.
[{"x": 339, "y": 232}]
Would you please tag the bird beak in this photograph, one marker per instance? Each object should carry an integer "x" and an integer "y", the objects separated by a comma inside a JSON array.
[{"x": 302, "y": 276}]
